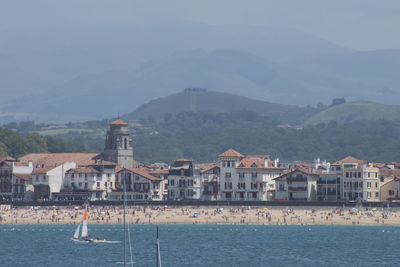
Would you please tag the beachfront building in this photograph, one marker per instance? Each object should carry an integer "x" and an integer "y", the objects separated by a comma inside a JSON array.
[
  {"x": 298, "y": 184},
  {"x": 49, "y": 180},
  {"x": 389, "y": 184},
  {"x": 161, "y": 173},
  {"x": 328, "y": 187},
  {"x": 95, "y": 183},
  {"x": 140, "y": 185},
  {"x": 22, "y": 188},
  {"x": 184, "y": 181},
  {"x": 359, "y": 180},
  {"x": 210, "y": 176},
  {"x": 248, "y": 177},
  {"x": 6, "y": 178}
]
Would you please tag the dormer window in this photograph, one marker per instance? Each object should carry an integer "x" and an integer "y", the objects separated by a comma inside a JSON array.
[
  {"x": 254, "y": 165},
  {"x": 241, "y": 165}
]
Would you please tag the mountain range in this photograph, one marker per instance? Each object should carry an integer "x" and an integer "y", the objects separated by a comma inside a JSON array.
[{"x": 81, "y": 74}]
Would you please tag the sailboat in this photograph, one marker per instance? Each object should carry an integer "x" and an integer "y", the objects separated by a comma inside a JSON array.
[
  {"x": 81, "y": 237},
  {"x": 84, "y": 235}
]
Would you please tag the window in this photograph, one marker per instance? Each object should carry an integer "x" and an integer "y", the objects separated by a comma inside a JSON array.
[
  {"x": 368, "y": 184},
  {"x": 359, "y": 175},
  {"x": 253, "y": 175},
  {"x": 72, "y": 175},
  {"x": 80, "y": 175},
  {"x": 110, "y": 184},
  {"x": 182, "y": 172},
  {"x": 80, "y": 184},
  {"x": 37, "y": 177},
  {"x": 227, "y": 175},
  {"x": 172, "y": 193},
  {"x": 376, "y": 194},
  {"x": 228, "y": 164},
  {"x": 105, "y": 184},
  {"x": 376, "y": 185},
  {"x": 347, "y": 175},
  {"x": 72, "y": 184},
  {"x": 241, "y": 174},
  {"x": 223, "y": 163},
  {"x": 85, "y": 175},
  {"x": 391, "y": 192},
  {"x": 368, "y": 194},
  {"x": 98, "y": 184},
  {"x": 44, "y": 177},
  {"x": 382, "y": 179},
  {"x": 85, "y": 185},
  {"x": 172, "y": 182}
]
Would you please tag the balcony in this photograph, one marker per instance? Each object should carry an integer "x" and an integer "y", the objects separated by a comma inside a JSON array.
[
  {"x": 297, "y": 188},
  {"x": 296, "y": 179}
]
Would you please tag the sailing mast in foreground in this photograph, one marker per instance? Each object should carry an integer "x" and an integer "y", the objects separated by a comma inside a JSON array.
[{"x": 158, "y": 251}]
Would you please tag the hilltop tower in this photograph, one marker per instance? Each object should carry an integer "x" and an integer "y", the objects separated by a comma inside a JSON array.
[{"x": 118, "y": 145}]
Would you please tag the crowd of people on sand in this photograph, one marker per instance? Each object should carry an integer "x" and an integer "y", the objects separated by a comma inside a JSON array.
[{"x": 199, "y": 215}]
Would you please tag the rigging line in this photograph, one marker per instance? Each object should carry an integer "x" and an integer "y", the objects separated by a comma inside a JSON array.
[{"x": 130, "y": 245}]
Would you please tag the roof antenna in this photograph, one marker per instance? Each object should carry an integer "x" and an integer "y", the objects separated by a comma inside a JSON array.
[{"x": 118, "y": 114}]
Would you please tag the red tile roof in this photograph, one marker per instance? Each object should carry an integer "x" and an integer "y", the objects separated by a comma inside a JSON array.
[
  {"x": 55, "y": 159},
  {"x": 143, "y": 172},
  {"x": 159, "y": 172},
  {"x": 7, "y": 158},
  {"x": 42, "y": 170},
  {"x": 119, "y": 122},
  {"x": 348, "y": 159},
  {"x": 231, "y": 153},
  {"x": 83, "y": 170},
  {"x": 205, "y": 167},
  {"x": 258, "y": 163},
  {"x": 23, "y": 176},
  {"x": 183, "y": 160}
]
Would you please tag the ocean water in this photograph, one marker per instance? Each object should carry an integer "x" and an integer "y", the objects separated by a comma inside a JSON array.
[{"x": 204, "y": 245}]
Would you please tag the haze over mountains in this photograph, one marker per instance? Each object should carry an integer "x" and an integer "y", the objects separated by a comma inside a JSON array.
[{"x": 78, "y": 74}]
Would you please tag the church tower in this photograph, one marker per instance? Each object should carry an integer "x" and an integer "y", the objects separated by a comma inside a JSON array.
[{"x": 118, "y": 145}]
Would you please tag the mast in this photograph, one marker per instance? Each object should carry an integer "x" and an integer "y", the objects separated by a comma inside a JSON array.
[
  {"x": 124, "y": 218},
  {"x": 158, "y": 251}
]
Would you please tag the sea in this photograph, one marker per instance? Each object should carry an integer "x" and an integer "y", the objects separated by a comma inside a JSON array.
[{"x": 203, "y": 245}]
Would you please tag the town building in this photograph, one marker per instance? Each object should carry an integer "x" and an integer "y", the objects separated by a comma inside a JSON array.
[
  {"x": 140, "y": 185},
  {"x": 6, "y": 178},
  {"x": 389, "y": 184},
  {"x": 184, "y": 181},
  {"x": 210, "y": 176},
  {"x": 298, "y": 184},
  {"x": 247, "y": 177},
  {"x": 359, "y": 180}
]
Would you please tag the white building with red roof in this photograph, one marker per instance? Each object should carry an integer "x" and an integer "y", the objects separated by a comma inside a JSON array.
[
  {"x": 247, "y": 177},
  {"x": 140, "y": 185}
]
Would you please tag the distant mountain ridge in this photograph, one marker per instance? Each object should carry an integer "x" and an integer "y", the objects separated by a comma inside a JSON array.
[
  {"x": 120, "y": 91},
  {"x": 219, "y": 102}
]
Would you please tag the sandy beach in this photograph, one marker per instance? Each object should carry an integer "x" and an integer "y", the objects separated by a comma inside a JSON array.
[{"x": 202, "y": 215}]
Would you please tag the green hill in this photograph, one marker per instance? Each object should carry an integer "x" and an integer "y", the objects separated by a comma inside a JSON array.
[
  {"x": 217, "y": 102},
  {"x": 354, "y": 111}
]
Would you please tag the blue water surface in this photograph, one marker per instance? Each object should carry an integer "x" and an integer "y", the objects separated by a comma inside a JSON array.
[{"x": 204, "y": 245}]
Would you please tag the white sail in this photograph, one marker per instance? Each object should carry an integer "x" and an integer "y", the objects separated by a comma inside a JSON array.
[
  {"x": 76, "y": 235},
  {"x": 84, "y": 225}
]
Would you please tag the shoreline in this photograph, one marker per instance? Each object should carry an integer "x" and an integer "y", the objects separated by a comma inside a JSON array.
[{"x": 112, "y": 215}]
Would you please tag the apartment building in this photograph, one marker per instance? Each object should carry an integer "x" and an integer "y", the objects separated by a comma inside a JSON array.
[
  {"x": 184, "y": 181},
  {"x": 247, "y": 177}
]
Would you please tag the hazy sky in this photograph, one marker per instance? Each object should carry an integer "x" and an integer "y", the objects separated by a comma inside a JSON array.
[{"x": 359, "y": 24}]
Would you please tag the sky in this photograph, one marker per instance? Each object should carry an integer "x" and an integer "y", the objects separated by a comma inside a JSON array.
[{"x": 357, "y": 24}]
